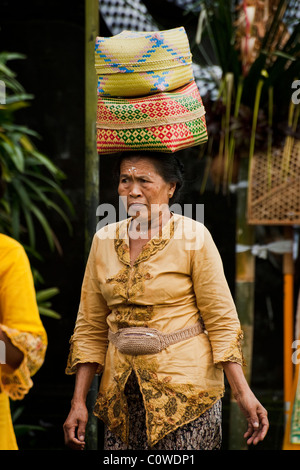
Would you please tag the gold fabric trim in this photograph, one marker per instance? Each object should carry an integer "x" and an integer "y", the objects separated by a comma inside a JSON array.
[
  {"x": 16, "y": 383},
  {"x": 149, "y": 249},
  {"x": 168, "y": 405},
  {"x": 235, "y": 353},
  {"x": 76, "y": 357},
  {"x": 130, "y": 281},
  {"x": 132, "y": 315},
  {"x": 111, "y": 407}
]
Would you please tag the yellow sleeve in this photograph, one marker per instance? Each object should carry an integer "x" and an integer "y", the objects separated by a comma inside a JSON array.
[
  {"x": 89, "y": 340},
  {"x": 216, "y": 304},
  {"x": 20, "y": 320}
]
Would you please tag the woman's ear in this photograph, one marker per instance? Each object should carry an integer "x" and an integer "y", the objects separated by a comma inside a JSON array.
[{"x": 172, "y": 187}]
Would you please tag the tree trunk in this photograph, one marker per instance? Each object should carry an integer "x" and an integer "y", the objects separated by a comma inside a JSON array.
[
  {"x": 244, "y": 299},
  {"x": 91, "y": 174}
]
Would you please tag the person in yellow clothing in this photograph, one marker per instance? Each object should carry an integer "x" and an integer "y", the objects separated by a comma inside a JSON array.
[{"x": 22, "y": 335}]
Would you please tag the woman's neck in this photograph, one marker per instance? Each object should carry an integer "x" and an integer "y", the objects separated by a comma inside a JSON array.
[{"x": 145, "y": 228}]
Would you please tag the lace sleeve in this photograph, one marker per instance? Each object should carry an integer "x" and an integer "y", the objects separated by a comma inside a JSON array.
[
  {"x": 16, "y": 383},
  {"x": 234, "y": 352}
]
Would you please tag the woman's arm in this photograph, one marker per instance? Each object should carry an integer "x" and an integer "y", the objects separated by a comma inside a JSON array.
[
  {"x": 75, "y": 424},
  {"x": 14, "y": 356},
  {"x": 254, "y": 412}
]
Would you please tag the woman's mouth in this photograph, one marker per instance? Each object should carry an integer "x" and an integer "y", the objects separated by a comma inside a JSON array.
[{"x": 136, "y": 207}]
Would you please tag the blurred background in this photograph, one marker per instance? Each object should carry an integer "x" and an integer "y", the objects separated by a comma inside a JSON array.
[{"x": 43, "y": 63}]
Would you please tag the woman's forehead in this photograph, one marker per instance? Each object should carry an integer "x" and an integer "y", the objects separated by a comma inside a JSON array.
[{"x": 138, "y": 165}]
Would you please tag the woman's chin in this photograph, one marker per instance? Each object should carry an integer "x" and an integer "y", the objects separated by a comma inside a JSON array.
[{"x": 138, "y": 210}]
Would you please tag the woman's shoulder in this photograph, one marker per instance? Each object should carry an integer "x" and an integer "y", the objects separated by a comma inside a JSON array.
[
  {"x": 10, "y": 245},
  {"x": 189, "y": 231},
  {"x": 113, "y": 230},
  {"x": 12, "y": 253},
  {"x": 189, "y": 222}
]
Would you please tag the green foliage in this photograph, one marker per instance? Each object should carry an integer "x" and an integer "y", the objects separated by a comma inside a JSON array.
[
  {"x": 22, "y": 429},
  {"x": 32, "y": 181}
]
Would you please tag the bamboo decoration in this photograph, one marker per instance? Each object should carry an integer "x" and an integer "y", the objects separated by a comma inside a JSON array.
[
  {"x": 91, "y": 174},
  {"x": 244, "y": 299},
  {"x": 288, "y": 325},
  {"x": 291, "y": 439},
  {"x": 274, "y": 199},
  {"x": 256, "y": 51}
]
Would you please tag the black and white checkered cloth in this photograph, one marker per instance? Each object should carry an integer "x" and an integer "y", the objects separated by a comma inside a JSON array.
[{"x": 120, "y": 15}]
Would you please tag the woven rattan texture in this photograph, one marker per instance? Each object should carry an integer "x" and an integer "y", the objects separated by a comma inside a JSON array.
[
  {"x": 274, "y": 188},
  {"x": 164, "y": 122},
  {"x": 139, "y": 63}
]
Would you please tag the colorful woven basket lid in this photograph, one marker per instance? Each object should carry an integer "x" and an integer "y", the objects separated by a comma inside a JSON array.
[
  {"x": 167, "y": 121},
  {"x": 138, "y": 63}
]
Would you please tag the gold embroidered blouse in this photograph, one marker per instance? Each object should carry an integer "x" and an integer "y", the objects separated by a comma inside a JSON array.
[{"x": 176, "y": 280}]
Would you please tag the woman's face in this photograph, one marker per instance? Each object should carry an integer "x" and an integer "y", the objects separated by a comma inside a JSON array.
[{"x": 143, "y": 188}]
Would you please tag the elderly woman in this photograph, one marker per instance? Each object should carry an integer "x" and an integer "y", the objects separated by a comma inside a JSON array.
[{"x": 157, "y": 319}]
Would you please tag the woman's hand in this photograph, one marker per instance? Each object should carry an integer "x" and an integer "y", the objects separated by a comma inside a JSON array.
[
  {"x": 254, "y": 412},
  {"x": 256, "y": 416},
  {"x": 74, "y": 426}
]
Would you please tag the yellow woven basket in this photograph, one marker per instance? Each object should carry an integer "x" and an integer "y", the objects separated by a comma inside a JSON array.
[{"x": 142, "y": 63}]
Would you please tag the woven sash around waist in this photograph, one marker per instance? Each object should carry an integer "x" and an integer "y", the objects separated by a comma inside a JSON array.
[{"x": 139, "y": 340}]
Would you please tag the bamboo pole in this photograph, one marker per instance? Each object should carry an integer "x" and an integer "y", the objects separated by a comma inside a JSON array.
[
  {"x": 244, "y": 299},
  {"x": 288, "y": 324},
  {"x": 287, "y": 444},
  {"x": 91, "y": 174}
]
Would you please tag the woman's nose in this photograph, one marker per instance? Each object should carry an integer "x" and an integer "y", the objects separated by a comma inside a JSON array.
[{"x": 135, "y": 190}]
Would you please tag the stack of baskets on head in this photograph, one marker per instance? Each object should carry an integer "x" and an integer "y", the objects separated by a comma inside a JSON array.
[{"x": 147, "y": 96}]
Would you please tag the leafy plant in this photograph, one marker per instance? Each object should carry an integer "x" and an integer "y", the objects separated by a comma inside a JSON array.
[
  {"x": 32, "y": 181},
  {"x": 22, "y": 429}
]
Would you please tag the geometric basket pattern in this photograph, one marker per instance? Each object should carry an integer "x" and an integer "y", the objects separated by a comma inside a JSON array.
[
  {"x": 274, "y": 187},
  {"x": 165, "y": 122},
  {"x": 140, "y": 63}
]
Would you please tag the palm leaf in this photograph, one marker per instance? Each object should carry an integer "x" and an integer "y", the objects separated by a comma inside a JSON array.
[
  {"x": 51, "y": 186},
  {"x": 14, "y": 153},
  {"x": 49, "y": 313},
  {"x": 41, "y": 194},
  {"x": 46, "y": 162},
  {"x": 46, "y": 227},
  {"x": 46, "y": 294},
  {"x": 29, "y": 225}
]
